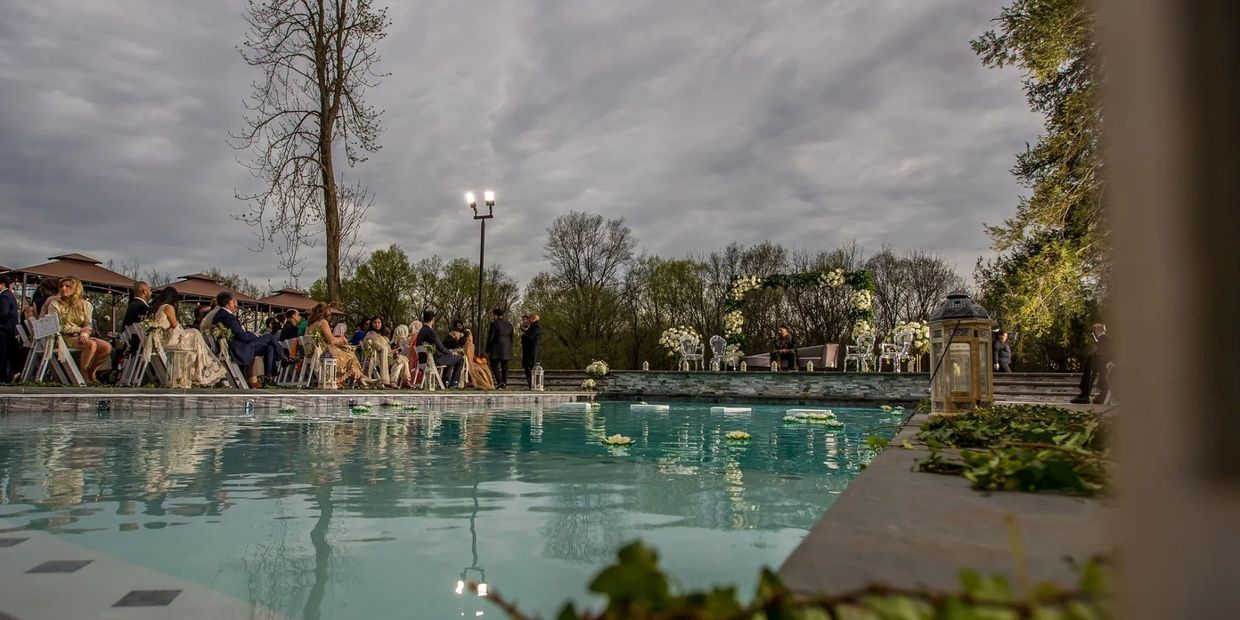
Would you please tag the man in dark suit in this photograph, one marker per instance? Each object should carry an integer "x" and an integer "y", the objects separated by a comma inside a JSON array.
[
  {"x": 531, "y": 341},
  {"x": 245, "y": 346},
  {"x": 443, "y": 356},
  {"x": 1003, "y": 353},
  {"x": 292, "y": 319},
  {"x": 139, "y": 306},
  {"x": 499, "y": 347},
  {"x": 1096, "y": 368},
  {"x": 10, "y": 314}
]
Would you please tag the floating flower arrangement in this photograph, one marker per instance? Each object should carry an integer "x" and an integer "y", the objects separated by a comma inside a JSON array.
[
  {"x": 738, "y": 436},
  {"x": 824, "y": 418},
  {"x": 391, "y": 403},
  {"x": 617, "y": 440},
  {"x": 289, "y": 409},
  {"x": 410, "y": 407}
]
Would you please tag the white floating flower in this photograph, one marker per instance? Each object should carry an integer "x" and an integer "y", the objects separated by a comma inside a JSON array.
[
  {"x": 886, "y": 407},
  {"x": 617, "y": 440},
  {"x": 738, "y": 435},
  {"x": 288, "y": 409},
  {"x": 410, "y": 407}
]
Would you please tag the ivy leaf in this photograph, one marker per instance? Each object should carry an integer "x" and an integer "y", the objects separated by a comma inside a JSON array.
[{"x": 636, "y": 578}]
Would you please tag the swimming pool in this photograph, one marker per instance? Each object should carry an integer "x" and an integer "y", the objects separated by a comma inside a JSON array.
[{"x": 334, "y": 515}]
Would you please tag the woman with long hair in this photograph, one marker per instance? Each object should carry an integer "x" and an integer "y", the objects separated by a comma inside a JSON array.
[
  {"x": 75, "y": 314},
  {"x": 376, "y": 338},
  {"x": 401, "y": 373},
  {"x": 347, "y": 366},
  {"x": 411, "y": 352},
  {"x": 199, "y": 367}
]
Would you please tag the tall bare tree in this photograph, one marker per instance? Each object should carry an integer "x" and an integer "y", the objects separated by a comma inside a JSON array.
[{"x": 318, "y": 59}]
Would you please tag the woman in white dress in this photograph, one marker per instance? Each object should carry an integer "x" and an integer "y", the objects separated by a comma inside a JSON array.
[{"x": 200, "y": 367}]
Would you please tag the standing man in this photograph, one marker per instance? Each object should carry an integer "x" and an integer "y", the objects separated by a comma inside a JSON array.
[
  {"x": 1003, "y": 353},
  {"x": 245, "y": 346},
  {"x": 531, "y": 341},
  {"x": 9, "y": 315},
  {"x": 443, "y": 356},
  {"x": 499, "y": 347},
  {"x": 1096, "y": 367}
]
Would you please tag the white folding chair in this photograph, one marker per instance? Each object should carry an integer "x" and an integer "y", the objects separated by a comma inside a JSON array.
[
  {"x": 432, "y": 373},
  {"x": 49, "y": 351},
  {"x": 236, "y": 378},
  {"x": 150, "y": 357},
  {"x": 289, "y": 370},
  {"x": 311, "y": 360}
]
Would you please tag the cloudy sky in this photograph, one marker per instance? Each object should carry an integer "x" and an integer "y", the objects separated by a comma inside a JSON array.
[{"x": 811, "y": 123}]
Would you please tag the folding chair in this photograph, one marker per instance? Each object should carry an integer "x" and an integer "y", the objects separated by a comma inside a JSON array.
[
  {"x": 288, "y": 370},
  {"x": 432, "y": 373},
  {"x": 220, "y": 350},
  {"x": 49, "y": 351},
  {"x": 150, "y": 359},
  {"x": 311, "y": 360}
]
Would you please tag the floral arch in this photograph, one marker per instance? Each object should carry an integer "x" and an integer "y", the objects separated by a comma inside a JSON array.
[{"x": 862, "y": 283}]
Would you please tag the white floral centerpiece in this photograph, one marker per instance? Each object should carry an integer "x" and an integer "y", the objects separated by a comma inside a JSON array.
[
  {"x": 597, "y": 369},
  {"x": 862, "y": 328},
  {"x": 732, "y": 355},
  {"x": 833, "y": 278},
  {"x": 617, "y": 440},
  {"x": 670, "y": 340},
  {"x": 917, "y": 331},
  {"x": 589, "y": 384}
]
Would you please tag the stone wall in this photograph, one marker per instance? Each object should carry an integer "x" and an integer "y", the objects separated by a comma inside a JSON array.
[{"x": 799, "y": 387}]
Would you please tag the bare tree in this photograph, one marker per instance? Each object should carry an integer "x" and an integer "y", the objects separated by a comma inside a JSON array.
[
  {"x": 318, "y": 58},
  {"x": 587, "y": 251}
]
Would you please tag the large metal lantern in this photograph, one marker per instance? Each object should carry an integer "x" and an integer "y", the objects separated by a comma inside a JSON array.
[{"x": 961, "y": 374}]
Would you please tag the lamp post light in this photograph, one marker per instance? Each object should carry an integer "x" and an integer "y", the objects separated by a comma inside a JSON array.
[{"x": 488, "y": 198}]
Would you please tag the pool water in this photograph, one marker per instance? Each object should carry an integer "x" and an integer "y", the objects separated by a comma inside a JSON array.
[{"x": 325, "y": 514}]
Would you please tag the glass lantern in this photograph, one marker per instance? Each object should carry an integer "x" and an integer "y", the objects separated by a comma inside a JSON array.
[
  {"x": 961, "y": 373},
  {"x": 539, "y": 376},
  {"x": 327, "y": 376}
]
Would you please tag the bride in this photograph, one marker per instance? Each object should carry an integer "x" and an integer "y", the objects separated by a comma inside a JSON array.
[{"x": 200, "y": 367}]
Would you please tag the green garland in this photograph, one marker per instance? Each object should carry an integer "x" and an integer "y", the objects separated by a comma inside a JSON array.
[{"x": 861, "y": 315}]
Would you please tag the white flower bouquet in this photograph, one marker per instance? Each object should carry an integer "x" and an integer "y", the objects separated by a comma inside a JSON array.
[
  {"x": 833, "y": 278},
  {"x": 918, "y": 334},
  {"x": 733, "y": 323},
  {"x": 863, "y": 300},
  {"x": 597, "y": 369},
  {"x": 732, "y": 354},
  {"x": 862, "y": 330},
  {"x": 738, "y": 436},
  {"x": 589, "y": 384},
  {"x": 670, "y": 340},
  {"x": 617, "y": 440},
  {"x": 742, "y": 286},
  {"x": 221, "y": 332}
]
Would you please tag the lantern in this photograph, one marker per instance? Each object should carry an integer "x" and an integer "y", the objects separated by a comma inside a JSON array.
[
  {"x": 960, "y": 366},
  {"x": 809, "y": 366},
  {"x": 538, "y": 377},
  {"x": 327, "y": 376},
  {"x": 645, "y": 365},
  {"x": 744, "y": 366}
]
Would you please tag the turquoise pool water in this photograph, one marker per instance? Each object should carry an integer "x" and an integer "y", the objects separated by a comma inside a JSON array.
[{"x": 325, "y": 514}]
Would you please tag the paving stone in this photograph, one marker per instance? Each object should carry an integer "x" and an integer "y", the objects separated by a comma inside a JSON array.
[
  {"x": 147, "y": 598},
  {"x": 60, "y": 566},
  {"x": 11, "y": 542}
]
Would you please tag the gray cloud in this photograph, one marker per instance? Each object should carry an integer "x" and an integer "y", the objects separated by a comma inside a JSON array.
[{"x": 812, "y": 123}]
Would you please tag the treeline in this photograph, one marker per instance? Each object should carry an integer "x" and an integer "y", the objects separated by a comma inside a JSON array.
[{"x": 601, "y": 299}]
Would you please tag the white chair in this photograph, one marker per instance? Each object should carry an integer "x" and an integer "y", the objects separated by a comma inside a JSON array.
[
  {"x": 432, "y": 373},
  {"x": 49, "y": 351},
  {"x": 862, "y": 352},
  {"x": 311, "y": 363},
  {"x": 896, "y": 353},
  {"x": 289, "y": 370},
  {"x": 691, "y": 352},
  {"x": 718, "y": 346},
  {"x": 236, "y": 378},
  {"x": 149, "y": 357}
]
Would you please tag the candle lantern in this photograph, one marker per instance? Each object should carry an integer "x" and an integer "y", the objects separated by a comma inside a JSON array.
[
  {"x": 645, "y": 365},
  {"x": 327, "y": 375},
  {"x": 538, "y": 377},
  {"x": 961, "y": 374}
]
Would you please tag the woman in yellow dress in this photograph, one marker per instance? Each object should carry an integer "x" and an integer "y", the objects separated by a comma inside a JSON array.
[
  {"x": 347, "y": 366},
  {"x": 75, "y": 325},
  {"x": 479, "y": 369}
]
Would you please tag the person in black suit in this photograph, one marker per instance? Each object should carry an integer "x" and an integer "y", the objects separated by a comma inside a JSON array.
[
  {"x": 1096, "y": 368},
  {"x": 292, "y": 323},
  {"x": 140, "y": 306},
  {"x": 499, "y": 347},
  {"x": 443, "y": 356},
  {"x": 245, "y": 346},
  {"x": 1003, "y": 353},
  {"x": 531, "y": 341},
  {"x": 10, "y": 313}
]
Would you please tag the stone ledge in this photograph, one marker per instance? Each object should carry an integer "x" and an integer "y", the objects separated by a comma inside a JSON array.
[{"x": 784, "y": 387}]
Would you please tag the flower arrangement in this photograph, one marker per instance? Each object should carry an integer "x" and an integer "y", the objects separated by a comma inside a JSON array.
[
  {"x": 221, "y": 332},
  {"x": 359, "y": 409},
  {"x": 732, "y": 355},
  {"x": 741, "y": 286},
  {"x": 862, "y": 329},
  {"x": 597, "y": 369},
  {"x": 589, "y": 384},
  {"x": 617, "y": 440},
  {"x": 917, "y": 331},
  {"x": 825, "y": 418},
  {"x": 733, "y": 323},
  {"x": 368, "y": 348},
  {"x": 391, "y": 403},
  {"x": 863, "y": 300},
  {"x": 288, "y": 409},
  {"x": 833, "y": 278},
  {"x": 738, "y": 436},
  {"x": 410, "y": 408},
  {"x": 670, "y": 340}
]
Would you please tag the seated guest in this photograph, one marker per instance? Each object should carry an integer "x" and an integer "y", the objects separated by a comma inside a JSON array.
[
  {"x": 376, "y": 336},
  {"x": 360, "y": 334},
  {"x": 208, "y": 319},
  {"x": 199, "y": 367},
  {"x": 785, "y": 353},
  {"x": 75, "y": 325},
  {"x": 245, "y": 346},
  {"x": 139, "y": 306},
  {"x": 48, "y": 288},
  {"x": 479, "y": 370},
  {"x": 200, "y": 311},
  {"x": 411, "y": 350},
  {"x": 292, "y": 325},
  {"x": 456, "y": 336},
  {"x": 273, "y": 326},
  {"x": 347, "y": 366},
  {"x": 443, "y": 356}
]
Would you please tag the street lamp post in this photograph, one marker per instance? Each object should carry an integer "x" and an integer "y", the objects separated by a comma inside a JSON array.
[{"x": 488, "y": 198}]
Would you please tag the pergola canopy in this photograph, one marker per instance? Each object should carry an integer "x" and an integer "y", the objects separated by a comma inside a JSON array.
[
  {"x": 82, "y": 267},
  {"x": 200, "y": 286},
  {"x": 290, "y": 298}
]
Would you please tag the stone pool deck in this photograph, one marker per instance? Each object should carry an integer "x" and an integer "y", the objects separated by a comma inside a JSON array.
[
  {"x": 909, "y": 529},
  {"x": 15, "y": 400}
]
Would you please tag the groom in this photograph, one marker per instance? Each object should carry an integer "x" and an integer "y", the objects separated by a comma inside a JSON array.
[{"x": 245, "y": 346}]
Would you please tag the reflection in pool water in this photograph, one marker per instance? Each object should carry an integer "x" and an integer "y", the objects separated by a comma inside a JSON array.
[{"x": 329, "y": 515}]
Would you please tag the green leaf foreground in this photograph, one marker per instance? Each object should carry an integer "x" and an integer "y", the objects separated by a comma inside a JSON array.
[
  {"x": 1031, "y": 448},
  {"x": 637, "y": 589}
]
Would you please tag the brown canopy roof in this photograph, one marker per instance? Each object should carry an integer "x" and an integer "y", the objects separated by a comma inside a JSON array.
[
  {"x": 81, "y": 267},
  {"x": 290, "y": 298},
  {"x": 203, "y": 286}
]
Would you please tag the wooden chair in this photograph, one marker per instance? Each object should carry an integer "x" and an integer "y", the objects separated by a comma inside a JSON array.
[{"x": 49, "y": 351}]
